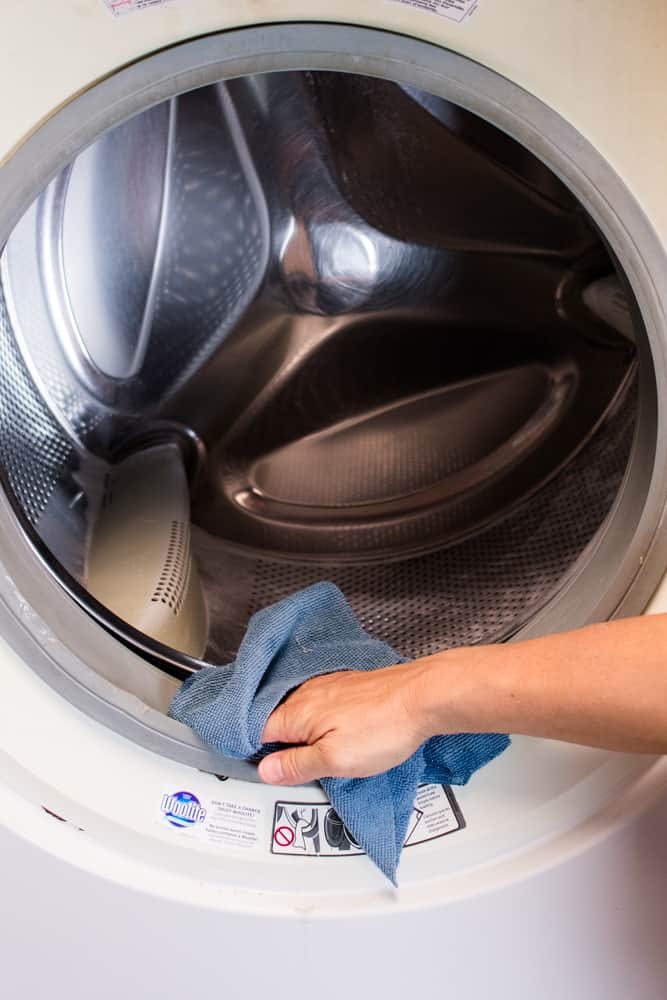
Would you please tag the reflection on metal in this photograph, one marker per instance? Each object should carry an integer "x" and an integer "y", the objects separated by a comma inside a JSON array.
[
  {"x": 606, "y": 299},
  {"x": 381, "y": 474},
  {"x": 346, "y": 294},
  {"x": 111, "y": 260},
  {"x": 135, "y": 264}
]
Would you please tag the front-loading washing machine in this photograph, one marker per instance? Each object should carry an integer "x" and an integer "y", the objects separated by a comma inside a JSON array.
[{"x": 301, "y": 291}]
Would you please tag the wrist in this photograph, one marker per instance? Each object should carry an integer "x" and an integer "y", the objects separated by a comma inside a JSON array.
[{"x": 459, "y": 691}]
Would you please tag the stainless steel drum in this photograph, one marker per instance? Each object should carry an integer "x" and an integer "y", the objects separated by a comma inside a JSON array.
[{"x": 310, "y": 325}]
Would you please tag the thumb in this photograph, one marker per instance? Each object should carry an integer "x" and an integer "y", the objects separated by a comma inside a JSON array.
[{"x": 294, "y": 766}]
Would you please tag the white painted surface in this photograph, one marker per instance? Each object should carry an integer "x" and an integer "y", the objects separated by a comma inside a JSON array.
[
  {"x": 557, "y": 886},
  {"x": 595, "y": 932}
]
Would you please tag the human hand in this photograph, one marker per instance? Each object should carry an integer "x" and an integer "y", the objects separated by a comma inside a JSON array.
[{"x": 346, "y": 725}]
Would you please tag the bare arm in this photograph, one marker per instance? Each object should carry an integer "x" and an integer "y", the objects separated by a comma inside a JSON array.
[{"x": 605, "y": 686}]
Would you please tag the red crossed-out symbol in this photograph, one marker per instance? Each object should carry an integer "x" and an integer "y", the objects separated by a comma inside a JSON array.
[{"x": 284, "y": 836}]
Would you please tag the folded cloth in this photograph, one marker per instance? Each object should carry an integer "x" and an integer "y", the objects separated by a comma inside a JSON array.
[{"x": 314, "y": 632}]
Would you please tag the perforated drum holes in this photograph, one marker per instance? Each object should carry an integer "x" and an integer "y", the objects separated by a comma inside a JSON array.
[
  {"x": 33, "y": 449},
  {"x": 173, "y": 582}
]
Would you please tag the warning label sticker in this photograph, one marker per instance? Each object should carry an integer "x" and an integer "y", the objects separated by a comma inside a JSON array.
[
  {"x": 436, "y": 813},
  {"x": 120, "y": 7},
  {"x": 316, "y": 830},
  {"x": 218, "y": 821},
  {"x": 232, "y": 825},
  {"x": 454, "y": 10}
]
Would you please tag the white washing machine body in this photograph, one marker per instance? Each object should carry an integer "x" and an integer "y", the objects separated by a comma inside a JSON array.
[{"x": 546, "y": 876}]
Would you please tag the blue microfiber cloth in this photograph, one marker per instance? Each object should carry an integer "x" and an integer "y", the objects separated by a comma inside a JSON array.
[{"x": 310, "y": 633}]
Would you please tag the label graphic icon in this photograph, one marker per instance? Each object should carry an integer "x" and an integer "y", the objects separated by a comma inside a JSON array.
[{"x": 182, "y": 809}]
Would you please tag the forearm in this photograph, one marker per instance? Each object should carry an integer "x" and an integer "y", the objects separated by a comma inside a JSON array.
[{"x": 605, "y": 685}]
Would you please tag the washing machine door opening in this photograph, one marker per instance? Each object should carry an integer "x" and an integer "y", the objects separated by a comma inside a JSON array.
[{"x": 313, "y": 325}]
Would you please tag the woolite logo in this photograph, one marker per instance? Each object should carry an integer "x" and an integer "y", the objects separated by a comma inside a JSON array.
[{"x": 183, "y": 809}]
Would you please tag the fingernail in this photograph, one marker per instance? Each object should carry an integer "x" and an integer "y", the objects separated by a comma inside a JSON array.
[{"x": 271, "y": 770}]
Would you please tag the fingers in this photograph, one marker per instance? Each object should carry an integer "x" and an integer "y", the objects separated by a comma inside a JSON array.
[
  {"x": 276, "y": 729},
  {"x": 289, "y": 722},
  {"x": 299, "y": 718},
  {"x": 294, "y": 766},
  {"x": 346, "y": 724}
]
